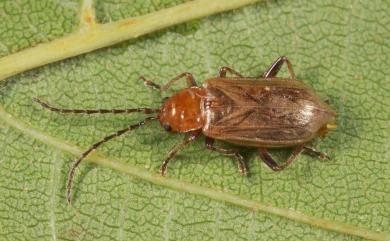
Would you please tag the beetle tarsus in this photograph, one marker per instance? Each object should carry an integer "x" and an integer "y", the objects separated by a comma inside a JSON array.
[
  {"x": 316, "y": 153},
  {"x": 242, "y": 167},
  {"x": 241, "y": 163},
  {"x": 150, "y": 84},
  {"x": 163, "y": 169}
]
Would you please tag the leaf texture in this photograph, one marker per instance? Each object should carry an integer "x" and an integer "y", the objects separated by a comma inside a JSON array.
[{"x": 339, "y": 48}]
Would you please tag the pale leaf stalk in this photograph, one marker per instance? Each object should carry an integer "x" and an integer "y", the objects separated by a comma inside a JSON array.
[{"x": 96, "y": 36}]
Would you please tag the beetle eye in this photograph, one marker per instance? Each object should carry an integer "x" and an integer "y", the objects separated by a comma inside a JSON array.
[{"x": 167, "y": 127}]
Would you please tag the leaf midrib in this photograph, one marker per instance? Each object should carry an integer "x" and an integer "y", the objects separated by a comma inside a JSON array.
[{"x": 179, "y": 185}]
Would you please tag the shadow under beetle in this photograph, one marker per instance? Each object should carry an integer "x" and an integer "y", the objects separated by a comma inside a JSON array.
[{"x": 261, "y": 112}]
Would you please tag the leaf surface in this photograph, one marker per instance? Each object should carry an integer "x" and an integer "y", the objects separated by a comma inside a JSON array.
[{"x": 338, "y": 48}]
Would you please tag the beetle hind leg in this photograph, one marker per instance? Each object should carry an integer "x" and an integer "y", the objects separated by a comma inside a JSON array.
[
  {"x": 228, "y": 152},
  {"x": 267, "y": 158},
  {"x": 274, "y": 69},
  {"x": 316, "y": 153}
]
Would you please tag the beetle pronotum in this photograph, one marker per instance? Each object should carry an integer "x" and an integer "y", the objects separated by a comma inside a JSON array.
[{"x": 261, "y": 112}]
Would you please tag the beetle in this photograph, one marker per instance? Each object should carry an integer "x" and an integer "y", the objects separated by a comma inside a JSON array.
[{"x": 261, "y": 112}]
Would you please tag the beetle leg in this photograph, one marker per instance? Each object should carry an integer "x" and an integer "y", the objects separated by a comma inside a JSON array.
[
  {"x": 190, "y": 82},
  {"x": 273, "y": 70},
  {"x": 313, "y": 152},
  {"x": 223, "y": 70},
  {"x": 228, "y": 152},
  {"x": 266, "y": 157},
  {"x": 188, "y": 139}
]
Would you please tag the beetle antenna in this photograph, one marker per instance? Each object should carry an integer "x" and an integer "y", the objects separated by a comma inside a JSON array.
[
  {"x": 94, "y": 111},
  {"x": 95, "y": 146}
]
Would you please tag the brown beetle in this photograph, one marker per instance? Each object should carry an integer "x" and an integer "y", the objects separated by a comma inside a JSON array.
[{"x": 262, "y": 112}]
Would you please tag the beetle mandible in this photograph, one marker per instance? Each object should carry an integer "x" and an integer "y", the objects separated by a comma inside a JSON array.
[{"x": 260, "y": 112}]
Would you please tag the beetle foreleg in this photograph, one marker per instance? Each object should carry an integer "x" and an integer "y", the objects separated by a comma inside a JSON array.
[
  {"x": 188, "y": 139},
  {"x": 273, "y": 70},
  {"x": 190, "y": 82},
  {"x": 266, "y": 157},
  {"x": 228, "y": 152},
  {"x": 223, "y": 70}
]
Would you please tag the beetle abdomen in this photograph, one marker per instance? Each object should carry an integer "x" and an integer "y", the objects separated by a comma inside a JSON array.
[{"x": 263, "y": 112}]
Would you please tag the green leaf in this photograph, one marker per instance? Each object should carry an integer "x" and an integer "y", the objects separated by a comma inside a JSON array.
[{"x": 338, "y": 48}]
